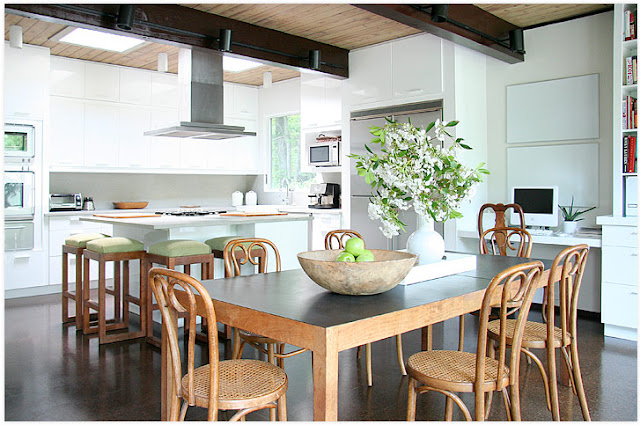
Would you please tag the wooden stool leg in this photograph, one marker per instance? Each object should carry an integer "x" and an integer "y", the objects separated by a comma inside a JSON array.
[
  {"x": 144, "y": 289},
  {"x": 85, "y": 297},
  {"x": 125, "y": 292},
  {"x": 79, "y": 284},
  {"x": 102, "y": 318},
  {"x": 65, "y": 288},
  {"x": 116, "y": 289}
]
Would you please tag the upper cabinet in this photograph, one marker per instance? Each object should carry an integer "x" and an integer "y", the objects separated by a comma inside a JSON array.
[
  {"x": 101, "y": 82},
  {"x": 240, "y": 101},
  {"x": 405, "y": 70},
  {"x": 321, "y": 101},
  {"x": 26, "y": 81},
  {"x": 135, "y": 86},
  {"x": 66, "y": 77},
  {"x": 164, "y": 90}
]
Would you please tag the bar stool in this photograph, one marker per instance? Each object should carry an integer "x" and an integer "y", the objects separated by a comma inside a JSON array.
[
  {"x": 114, "y": 249},
  {"x": 171, "y": 254},
  {"x": 74, "y": 245}
]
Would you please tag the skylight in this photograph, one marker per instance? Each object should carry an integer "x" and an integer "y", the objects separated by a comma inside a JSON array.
[
  {"x": 101, "y": 40},
  {"x": 238, "y": 65}
]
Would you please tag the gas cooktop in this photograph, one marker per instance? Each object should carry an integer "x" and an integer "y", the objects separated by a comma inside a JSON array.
[{"x": 190, "y": 212}]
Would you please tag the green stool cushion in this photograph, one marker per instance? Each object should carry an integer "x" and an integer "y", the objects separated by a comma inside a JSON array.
[
  {"x": 220, "y": 242},
  {"x": 113, "y": 245},
  {"x": 80, "y": 240},
  {"x": 179, "y": 248}
]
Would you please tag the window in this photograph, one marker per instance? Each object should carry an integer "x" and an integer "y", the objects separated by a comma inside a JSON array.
[{"x": 285, "y": 145}]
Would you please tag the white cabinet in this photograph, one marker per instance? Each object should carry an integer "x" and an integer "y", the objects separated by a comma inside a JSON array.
[
  {"x": 133, "y": 146},
  {"x": 66, "y": 77},
  {"x": 26, "y": 81},
  {"x": 100, "y": 135},
  {"x": 67, "y": 132},
  {"x": 195, "y": 153},
  {"x": 101, "y": 82},
  {"x": 404, "y": 70},
  {"x": 135, "y": 86},
  {"x": 164, "y": 151},
  {"x": 370, "y": 74},
  {"x": 322, "y": 224},
  {"x": 416, "y": 66},
  {"x": 240, "y": 101},
  {"x": 321, "y": 101},
  {"x": 61, "y": 228},
  {"x": 164, "y": 90}
]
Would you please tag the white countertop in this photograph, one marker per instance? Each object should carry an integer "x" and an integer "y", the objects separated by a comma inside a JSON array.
[
  {"x": 251, "y": 208},
  {"x": 568, "y": 240},
  {"x": 172, "y": 222}
]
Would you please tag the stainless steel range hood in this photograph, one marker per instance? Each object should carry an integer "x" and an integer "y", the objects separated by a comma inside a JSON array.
[{"x": 201, "y": 99}]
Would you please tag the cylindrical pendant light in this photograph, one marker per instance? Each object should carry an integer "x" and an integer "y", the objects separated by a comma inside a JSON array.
[
  {"x": 125, "y": 16},
  {"x": 224, "y": 44},
  {"x": 15, "y": 36},
  {"x": 516, "y": 40},
  {"x": 314, "y": 59},
  {"x": 439, "y": 12},
  {"x": 163, "y": 62}
]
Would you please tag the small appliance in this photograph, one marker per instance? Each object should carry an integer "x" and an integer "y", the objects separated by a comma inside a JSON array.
[
  {"x": 324, "y": 154},
  {"x": 88, "y": 204},
  {"x": 65, "y": 201},
  {"x": 325, "y": 195}
]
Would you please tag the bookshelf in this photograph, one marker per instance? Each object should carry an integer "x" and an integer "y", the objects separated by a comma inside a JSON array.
[{"x": 625, "y": 97}]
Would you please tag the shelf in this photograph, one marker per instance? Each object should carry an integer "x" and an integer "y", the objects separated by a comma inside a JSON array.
[
  {"x": 630, "y": 130},
  {"x": 629, "y": 174}
]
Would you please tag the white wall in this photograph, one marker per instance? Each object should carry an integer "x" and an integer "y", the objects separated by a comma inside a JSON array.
[
  {"x": 161, "y": 190},
  {"x": 578, "y": 47}
]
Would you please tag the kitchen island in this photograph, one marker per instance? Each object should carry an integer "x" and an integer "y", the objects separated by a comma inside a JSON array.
[{"x": 289, "y": 232}]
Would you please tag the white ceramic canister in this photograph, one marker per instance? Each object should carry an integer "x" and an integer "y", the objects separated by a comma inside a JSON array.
[
  {"x": 236, "y": 198},
  {"x": 251, "y": 198}
]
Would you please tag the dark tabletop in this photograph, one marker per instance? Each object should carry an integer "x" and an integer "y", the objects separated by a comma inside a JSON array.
[{"x": 291, "y": 294}]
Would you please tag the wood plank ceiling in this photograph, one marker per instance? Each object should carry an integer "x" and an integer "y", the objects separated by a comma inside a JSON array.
[{"x": 341, "y": 25}]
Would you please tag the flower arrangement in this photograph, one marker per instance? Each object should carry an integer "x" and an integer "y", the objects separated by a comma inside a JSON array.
[{"x": 413, "y": 168}]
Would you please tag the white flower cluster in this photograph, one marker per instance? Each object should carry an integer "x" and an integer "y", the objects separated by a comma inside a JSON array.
[{"x": 414, "y": 169}]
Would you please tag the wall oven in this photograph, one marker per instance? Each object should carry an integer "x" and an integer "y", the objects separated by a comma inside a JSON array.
[
  {"x": 19, "y": 195},
  {"x": 19, "y": 141}
]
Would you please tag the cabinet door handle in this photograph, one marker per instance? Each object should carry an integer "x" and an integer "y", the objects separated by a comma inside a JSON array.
[
  {"x": 13, "y": 227},
  {"x": 634, "y": 292},
  {"x": 635, "y": 254}
]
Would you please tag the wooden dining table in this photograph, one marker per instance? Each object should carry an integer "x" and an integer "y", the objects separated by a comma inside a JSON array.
[{"x": 290, "y": 307}]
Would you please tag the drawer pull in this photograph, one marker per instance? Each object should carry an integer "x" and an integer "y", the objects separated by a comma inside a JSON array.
[
  {"x": 13, "y": 227},
  {"x": 635, "y": 254},
  {"x": 634, "y": 292}
]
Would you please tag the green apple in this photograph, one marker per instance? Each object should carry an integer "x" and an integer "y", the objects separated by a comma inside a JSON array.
[
  {"x": 354, "y": 246},
  {"x": 365, "y": 256},
  {"x": 346, "y": 257}
]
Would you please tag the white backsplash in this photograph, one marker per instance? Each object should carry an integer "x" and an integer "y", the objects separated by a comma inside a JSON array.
[{"x": 161, "y": 190}]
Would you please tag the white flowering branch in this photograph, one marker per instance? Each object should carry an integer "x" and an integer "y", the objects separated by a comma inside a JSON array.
[{"x": 413, "y": 169}]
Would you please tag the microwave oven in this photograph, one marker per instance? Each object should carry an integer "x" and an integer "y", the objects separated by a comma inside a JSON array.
[
  {"x": 324, "y": 154},
  {"x": 65, "y": 201},
  {"x": 19, "y": 140}
]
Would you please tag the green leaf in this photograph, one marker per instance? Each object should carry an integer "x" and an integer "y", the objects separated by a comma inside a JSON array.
[
  {"x": 452, "y": 123},
  {"x": 463, "y": 146},
  {"x": 430, "y": 126},
  {"x": 368, "y": 149}
]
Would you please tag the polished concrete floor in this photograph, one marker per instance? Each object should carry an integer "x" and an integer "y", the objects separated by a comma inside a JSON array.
[{"x": 53, "y": 373}]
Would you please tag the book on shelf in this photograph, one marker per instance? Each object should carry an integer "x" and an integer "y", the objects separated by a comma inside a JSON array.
[
  {"x": 629, "y": 150},
  {"x": 629, "y": 25},
  {"x": 629, "y": 113},
  {"x": 631, "y": 73},
  {"x": 625, "y": 154}
]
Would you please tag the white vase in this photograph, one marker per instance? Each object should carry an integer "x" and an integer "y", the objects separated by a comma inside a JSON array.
[
  {"x": 570, "y": 227},
  {"x": 425, "y": 242}
]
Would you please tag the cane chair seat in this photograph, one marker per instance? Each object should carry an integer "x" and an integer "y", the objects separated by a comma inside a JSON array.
[
  {"x": 534, "y": 336},
  {"x": 240, "y": 381},
  {"x": 454, "y": 370}
]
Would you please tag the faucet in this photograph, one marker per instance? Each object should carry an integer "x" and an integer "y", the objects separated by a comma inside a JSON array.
[{"x": 287, "y": 191}]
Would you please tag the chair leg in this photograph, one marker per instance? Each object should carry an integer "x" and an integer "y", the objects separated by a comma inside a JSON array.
[
  {"x": 368, "y": 360},
  {"x": 65, "y": 288},
  {"x": 102, "y": 304},
  {"x": 282, "y": 408},
  {"x": 507, "y": 404},
  {"x": 577, "y": 375},
  {"x": 116, "y": 288},
  {"x": 412, "y": 399},
  {"x": 79, "y": 284},
  {"x": 85, "y": 297},
  {"x": 545, "y": 381},
  {"x": 448, "y": 409},
  {"x": 553, "y": 383},
  {"x": 461, "y": 334},
  {"x": 400, "y": 354}
]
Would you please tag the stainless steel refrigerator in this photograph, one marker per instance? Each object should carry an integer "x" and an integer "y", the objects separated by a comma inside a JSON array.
[{"x": 361, "y": 121}]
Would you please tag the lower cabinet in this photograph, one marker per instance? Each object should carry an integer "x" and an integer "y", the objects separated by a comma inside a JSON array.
[
  {"x": 620, "y": 280},
  {"x": 61, "y": 228},
  {"x": 323, "y": 223}
]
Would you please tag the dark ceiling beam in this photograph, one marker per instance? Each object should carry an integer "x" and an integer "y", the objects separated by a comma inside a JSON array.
[
  {"x": 181, "y": 26},
  {"x": 484, "y": 23}
]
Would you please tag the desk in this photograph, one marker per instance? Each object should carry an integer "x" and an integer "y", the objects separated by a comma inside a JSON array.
[{"x": 288, "y": 306}]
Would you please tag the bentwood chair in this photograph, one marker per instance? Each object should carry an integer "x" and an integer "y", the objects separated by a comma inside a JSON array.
[
  {"x": 238, "y": 253},
  {"x": 560, "y": 331},
  {"x": 500, "y": 211},
  {"x": 336, "y": 239},
  {"x": 450, "y": 372},
  {"x": 501, "y": 241},
  {"x": 242, "y": 385}
]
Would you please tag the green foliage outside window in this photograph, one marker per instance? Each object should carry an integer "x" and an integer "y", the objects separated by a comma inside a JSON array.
[
  {"x": 285, "y": 154},
  {"x": 14, "y": 142}
]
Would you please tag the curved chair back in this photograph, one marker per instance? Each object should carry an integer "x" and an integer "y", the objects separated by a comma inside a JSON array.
[
  {"x": 178, "y": 293},
  {"x": 567, "y": 270},
  {"x": 500, "y": 212},
  {"x": 506, "y": 240},
  {"x": 236, "y": 254},
  {"x": 336, "y": 239},
  {"x": 511, "y": 290}
]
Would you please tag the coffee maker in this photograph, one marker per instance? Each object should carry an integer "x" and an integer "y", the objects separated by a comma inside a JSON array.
[{"x": 324, "y": 195}]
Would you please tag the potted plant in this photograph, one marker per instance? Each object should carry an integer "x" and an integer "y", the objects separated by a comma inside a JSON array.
[
  {"x": 415, "y": 169},
  {"x": 571, "y": 217}
]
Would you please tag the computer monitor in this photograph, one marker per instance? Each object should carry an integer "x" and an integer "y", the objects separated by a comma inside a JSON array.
[{"x": 540, "y": 205}]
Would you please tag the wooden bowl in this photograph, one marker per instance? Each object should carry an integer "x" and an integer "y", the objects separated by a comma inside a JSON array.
[
  {"x": 366, "y": 278},
  {"x": 130, "y": 205}
]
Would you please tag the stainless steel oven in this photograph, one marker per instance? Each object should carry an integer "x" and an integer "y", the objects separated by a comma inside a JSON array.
[
  {"x": 19, "y": 194},
  {"x": 19, "y": 140}
]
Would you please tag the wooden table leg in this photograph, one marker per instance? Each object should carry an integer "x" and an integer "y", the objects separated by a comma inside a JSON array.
[{"x": 325, "y": 380}]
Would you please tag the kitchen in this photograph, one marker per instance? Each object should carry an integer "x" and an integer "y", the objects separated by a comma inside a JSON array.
[{"x": 82, "y": 106}]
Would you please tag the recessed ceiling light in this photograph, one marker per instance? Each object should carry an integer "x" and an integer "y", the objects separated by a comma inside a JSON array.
[
  {"x": 101, "y": 40},
  {"x": 238, "y": 65}
]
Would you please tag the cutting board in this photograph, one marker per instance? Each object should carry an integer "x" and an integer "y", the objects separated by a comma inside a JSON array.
[
  {"x": 251, "y": 214},
  {"x": 127, "y": 215}
]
